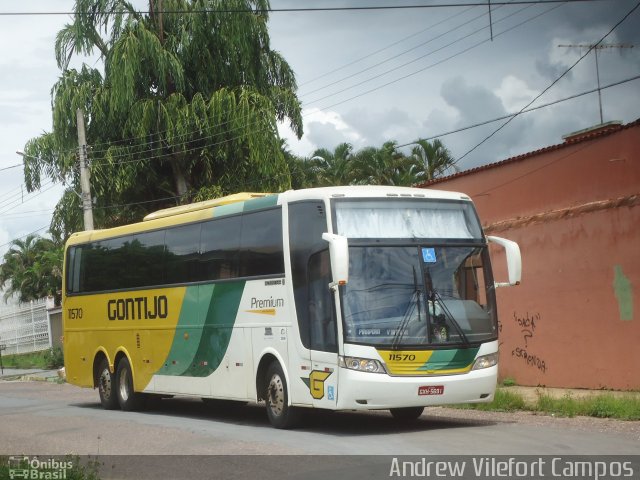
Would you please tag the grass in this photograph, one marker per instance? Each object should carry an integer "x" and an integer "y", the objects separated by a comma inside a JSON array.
[
  {"x": 504, "y": 401},
  {"x": 45, "y": 359},
  {"x": 599, "y": 405}
]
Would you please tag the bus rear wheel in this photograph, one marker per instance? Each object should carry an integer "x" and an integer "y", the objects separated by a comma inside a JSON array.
[
  {"x": 106, "y": 387},
  {"x": 280, "y": 413},
  {"x": 128, "y": 399},
  {"x": 407, "y": 414}
]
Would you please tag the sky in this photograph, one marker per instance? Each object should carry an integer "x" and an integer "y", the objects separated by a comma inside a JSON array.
[{"x": 370, "y": 76}]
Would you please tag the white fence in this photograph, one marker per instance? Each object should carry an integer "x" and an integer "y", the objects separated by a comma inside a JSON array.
[{"x": 25, "y": 328}]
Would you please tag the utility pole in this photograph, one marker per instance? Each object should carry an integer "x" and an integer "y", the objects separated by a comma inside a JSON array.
[
  {"x": 595, "y": 47},
  {"x": 85, "y": 184}
]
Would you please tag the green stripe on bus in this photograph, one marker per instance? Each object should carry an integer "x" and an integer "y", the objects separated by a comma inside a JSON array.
[
  {"x": 450, "y": 359},
  {"x": 261, "y": 202},
  {"x": 218, "y": 327},
  {"x": 188, "y": 330},
  {"x": 229, "y": 209}
]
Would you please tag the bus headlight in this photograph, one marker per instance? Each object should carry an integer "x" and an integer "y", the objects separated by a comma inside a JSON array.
[
  {"x": 361, "y": 364},
  {"x": 485, "y": 361}
]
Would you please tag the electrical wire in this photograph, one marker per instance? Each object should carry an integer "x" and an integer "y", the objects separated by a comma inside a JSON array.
[
  {"x": 189, "y": 150},
  {"x": 551, "y": 85},
  {"x": 307, "y": 9},
  {"x": 503, "y": 117}
]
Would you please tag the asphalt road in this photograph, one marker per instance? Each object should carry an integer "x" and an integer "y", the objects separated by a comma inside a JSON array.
[{"x": 50, "y": 419}]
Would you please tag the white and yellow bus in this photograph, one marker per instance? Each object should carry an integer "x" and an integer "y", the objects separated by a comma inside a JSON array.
[{"x": 341, "y": 298}]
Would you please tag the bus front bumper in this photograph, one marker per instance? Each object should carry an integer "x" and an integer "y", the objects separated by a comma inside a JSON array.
[{"x": 374, "y": 391}]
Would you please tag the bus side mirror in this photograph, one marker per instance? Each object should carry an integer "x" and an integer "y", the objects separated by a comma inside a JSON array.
[
  {"x": 339, "y": 253},
  {"x": 514, "y": 261}
]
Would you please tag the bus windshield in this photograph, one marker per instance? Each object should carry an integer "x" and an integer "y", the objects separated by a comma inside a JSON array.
[
  {"x": 416, "y": 296},
  {"x": 419, "y": 273}
]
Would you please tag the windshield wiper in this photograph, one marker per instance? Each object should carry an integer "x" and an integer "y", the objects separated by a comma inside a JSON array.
[
  {"x": 406, "y": 318},
  {"x": 433, "y": 297}
]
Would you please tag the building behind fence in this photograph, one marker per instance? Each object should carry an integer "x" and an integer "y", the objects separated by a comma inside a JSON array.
[{"x": 29, "y": 327}]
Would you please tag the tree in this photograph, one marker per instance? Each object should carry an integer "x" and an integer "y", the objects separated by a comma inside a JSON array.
[
  {"x": 385, "y": 166},
  {"x": 433, "y": 157},
  {"x": 333, "y": 168},
  {"x": 32, "y": 269},
  {"x": 190, "y": 97}
]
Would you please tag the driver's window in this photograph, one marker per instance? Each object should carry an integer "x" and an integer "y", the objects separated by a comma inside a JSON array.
[{"x": 322, "y": 323}]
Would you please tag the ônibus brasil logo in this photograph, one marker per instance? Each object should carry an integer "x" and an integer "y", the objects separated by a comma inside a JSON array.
[{"x": 38, "y": 469}]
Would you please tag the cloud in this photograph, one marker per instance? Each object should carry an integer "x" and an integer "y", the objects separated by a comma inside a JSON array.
[{"x": 514, "y": 93}]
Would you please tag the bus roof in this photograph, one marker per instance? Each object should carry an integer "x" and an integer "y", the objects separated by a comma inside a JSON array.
[
  {"x": 215, "y": 202},
  {"x": 373, "y": 191},
  {"x": 247, "y": 201}
]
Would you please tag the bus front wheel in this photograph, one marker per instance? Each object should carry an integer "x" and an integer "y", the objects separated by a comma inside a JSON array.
[
  {"x": 128, "y": 399},
  {"x": 106, "y": 386},
  {"x": 280, "y": 413},
  {"x": 407, "y": 414}
]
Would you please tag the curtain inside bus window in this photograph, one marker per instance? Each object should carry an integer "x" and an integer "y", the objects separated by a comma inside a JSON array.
[{"x": 406, "y": 219}]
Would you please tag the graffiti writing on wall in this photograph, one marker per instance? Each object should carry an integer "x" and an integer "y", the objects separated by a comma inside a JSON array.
[{"x": 528, "y": 325}]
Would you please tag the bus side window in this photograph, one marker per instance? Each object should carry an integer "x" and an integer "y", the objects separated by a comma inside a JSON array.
[
  {"x": 321, "y": 313},
  {"x": 307, "y": 223},
  {"x": 219, "y": 249},
  {"x": 182, "y": 252}
]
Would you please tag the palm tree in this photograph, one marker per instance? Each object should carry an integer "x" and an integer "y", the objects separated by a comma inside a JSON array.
[
  {"x": 433, "y": 157},
  {"x": 385, "y": 166},
  {"x": 32, "y": 269},
  {"x": 333, "y": 168}
]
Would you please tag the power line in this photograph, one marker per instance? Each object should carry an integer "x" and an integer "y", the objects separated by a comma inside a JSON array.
[
  {"x": 347, "y": 65},
  {"x": 539, "y": 107},
  {"x": 379, "y": 87},
  {"x": 307, "y": 9},
  {"x": 23, "y": 236},
  {"x": 214, "y": 144},
  {"x": 12, "y": 166},
  {"x": 394, "y": 57},
  {"x": 395, "y": 69},
  {"x": 552, "y": 83}
]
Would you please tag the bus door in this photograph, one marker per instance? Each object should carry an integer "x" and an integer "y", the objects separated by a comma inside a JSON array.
[
  {"x": 323, "y": 337},
  {"x": 316, "y": 375}
]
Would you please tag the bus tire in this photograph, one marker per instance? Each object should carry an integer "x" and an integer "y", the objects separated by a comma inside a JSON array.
[
  {"x": 106, "y": 386},
  {"x": 406, "y": 414},
  {"x": 128, "y": 399},
  {"x": 276, "y": 395}
]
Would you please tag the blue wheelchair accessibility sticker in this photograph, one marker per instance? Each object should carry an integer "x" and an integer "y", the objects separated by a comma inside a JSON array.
[
  {"x": 330, "y": 392},
  {"x": 429, "y": 255}
]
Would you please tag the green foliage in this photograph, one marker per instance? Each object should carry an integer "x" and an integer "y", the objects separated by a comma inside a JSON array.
[
  {"x": 54, "y": 358},
  {"x": 433, "y": 158},
  {"x": 504, "y": 401},
  {"x": 371, "y": 165},
  {"x": 509, "y": 382},
  {"x": 602, "y": 406},
  {"x": 27, "y": 360},
  {"x": 621, "y": 407},
  {"x": 32, "y": 269},
  {"x": 186, "y": 102}
]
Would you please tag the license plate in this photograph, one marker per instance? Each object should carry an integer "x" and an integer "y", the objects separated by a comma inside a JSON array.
[{"x": 431, "y": 390}]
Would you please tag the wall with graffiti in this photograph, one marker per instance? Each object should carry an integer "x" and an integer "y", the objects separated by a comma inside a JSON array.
[{"x": 574, "y": 209}]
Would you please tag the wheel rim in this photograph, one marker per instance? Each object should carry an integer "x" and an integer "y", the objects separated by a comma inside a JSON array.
[
  {"x": 276, "y": 395},
  {"x": 124, "y": 384},
  {"x": 105, "y": 383}
]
